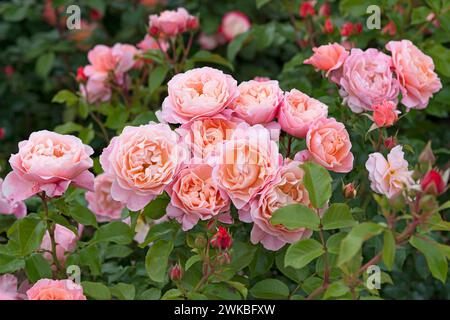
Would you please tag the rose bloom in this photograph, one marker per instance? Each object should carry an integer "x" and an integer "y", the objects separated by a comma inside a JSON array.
[
  {"x": 47, "y": 289},
  {"x": 149, "y": 43},
  {"x": 196, "y": 93},
  {"x": 385, "y": 114},
  {"x": 210, "y": 42},
  {"x": 48, "y": 162},
  {"x": 8, "y": 288},
  {"x": 170, "y": 22},
  {"x": 415, "y": 71},
  {"x": 329, "y": 145},
  {"x": 8, "y": 206},
  {"x": 233, "y": 24},
  {"x": 391, "y": 176},
  {"x": 287, "y": 188},
  {"x": 205, "y": 136},
  {"x": 195, "y": 196},
  {"x": 96, "y": 89},
  {"x": 143, "y": 161},
  {"x": 367, "y": 79},
  {"x": 258, "y": 101},
  {"x": 66, "y": 241},
  {"x": 328, "y": 58},
  {"x": 298, "y": 112},
  {"x": 100, "y": 201},
  {"x": 248, "y": 161}
]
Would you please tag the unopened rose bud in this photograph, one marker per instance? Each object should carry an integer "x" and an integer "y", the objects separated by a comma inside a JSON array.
[
  {"x": 358, "y": 27},
  {"x": 325, "y": 10},
  {"x": 200, "y": 241},
  {"x": 153, "y": 31},
  {"x": 427, "y": 156},
  {"x": 433, "y": 183},
  {"x": 9, "y": 70},
  {"x": 328, "y": 27},
  {"x": 347, "y": 29},
  {"x": 349, "y": 191},
  {"x": 223, "y": 258},
  {"x": 176, "y": 273},
  {"x": 193, "y": 23},
  {"x": 95, "y": 15},
  {"x": 81, "y": 76},
  {"x": 390, "y": 142},
  {"x": 2, "y": 133},
  {"x": 222, "y": 239},
  {"x": 307, "y": 9}
]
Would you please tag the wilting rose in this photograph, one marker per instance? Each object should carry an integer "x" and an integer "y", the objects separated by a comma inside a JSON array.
[
  {"x": 248, "y": 161},
  {"x": 221, "y": 239},
  {"x": 171, "y": 22},
  {"x": 143, "y": 161},
  {"x": 233, "y": 24},
  {"x": 48, "y": 162},
  {"x": 385, "y": 114},
  {"x": 415, "y": 71},
  {"x": 195, "y": 196},
  {"x": 101, "y": 202},
  {"x": 47, "y": 289},
  {"x": 367, "y": 79},
  {"x": 391, "y": 176},
  {"x": 205, "y": 136},
  {"x": 8, "y": 288},
  {"x": 8, "y": 206},
  {"x": 287, "y": 188},
  {"x": 329, "y": 58},
  {"x": 298, "y": 112},
  {"x": 196, "y": 93},
  {"x": 258, "y": 101},
  {"x": 66, "y": 242},
  {"x": 329, "y": 145}
]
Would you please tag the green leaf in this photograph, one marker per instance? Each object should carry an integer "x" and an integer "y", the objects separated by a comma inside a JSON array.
[
  {"x": 172, "y": 294},
  {"x": 270, "y": 289},
  {"x": 436, "y": 258},
  {"x": 388, "y": 249},
  {"x": 261, "y": 3},
  {"x": 336, "y": 289},
  {"x": 65, "y": 96},
  {"x": 239, "y": 287},
  {"x": 115, "y": 231},
  {"x": 235, "y": 46},
  {"x": 191, "y": 261},
  {"x": 441, "y": 58},
  {"x": 28, "y": 232},
  {"x": 303, "y": 252},
  {"x": 150, "y": 294},
  {"x": 334, "y": 242},
  {"x": 15, "y": 12},
  {"x": 355, "y": 8},
  {"x": 297, "y": 275},
  {"x": 96, "y": 290},
  {"x": 90, "y": 257},
  {"x": 419, "y": 15},
  {"x": 338, "y": 216},
  {"x": 44, "y": 64},
  {"x": 123, "y": 291},
  {"x": 68, "y": 127},
  {"x": 318, "y": 183},
  {"x": 242, "y": 255},
  {"x": 144, "y": 118},
  {"x": 208, "y": 57},
  {"x": 296, "y": 216},
  {"x": 351, "y": 244},
  {"x": 221, "y": 291},
  {"x": 37, "y": 267},
  {"x": 156, "y": 260},
  {"x": 156, "y": 208},
  {"x": 156, "y": 78},
  {"x": 117, "y": 251},
  {"x": 82, "y": 214},
  {"x": 117, "y": 117},
  {"x": 10, "y": 264}
]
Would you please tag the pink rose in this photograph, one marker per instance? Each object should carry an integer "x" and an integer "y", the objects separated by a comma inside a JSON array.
[
  {"x": 415, "y": 71},
  {"x": 204, "y": 136},
  {"x": 367, "y": 79},
  {"x": 299, "y": 112},
  {"x": 196, "y": 93},
  {"x": 96, "y": 89},
  {"x": 66, "y": 242},
  {"x": 391, "y": 176},
  {"x": 287, "y": 188},
  {"x": 329, "y": 145},
  {"x": 100, "y": 201},
  {"x": 258, "y": 102},
  {"x": 233, "y": 24},
  {"x": 143, "y": 161},
  {"x": 385, "y": 114},
  {"x": 170, "y": 22},
  {"x": 47, "y": 289},
  {"x": 149, "y": 43},
  {"x": 195, "y": 196},
  {"x": 8, "y": 206},
  {"x": 210, "y": 42},
  {"x": 328, "y": 57},
  {"x": 248, "y": 161},
  {"x": 48, "y": 162},
  {"x": 8, "y": 288}
]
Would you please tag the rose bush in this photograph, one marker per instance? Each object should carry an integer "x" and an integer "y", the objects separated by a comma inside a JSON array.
[{"x": 198, "y": 152}]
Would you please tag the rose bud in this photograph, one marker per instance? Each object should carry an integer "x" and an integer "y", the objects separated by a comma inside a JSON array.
[
  {"x": 328, "y": 27},
  {"x": 427, "y": 156},
  {"x": 390, "y": 29},
  {"x": 358, "y": 27},
  {"x": 307, "y": 9},
  {"x": 347, "y": 29},
  {"x": 192, "y": 23},
  {"x": 9, "y": 70},
  {"x": 385, "y": 114},
  {"x": 2, "y": 133},
  {"x": 176, "y": 273},
  {"x": 153, "y": 31},
  {"x": 95, "y": 15},
  {"x": 222, "y": 239},
  {"x": 81, "y": 76},
  {"x": 433, "y": 183},
  {"x": 390, "y": 142},
  {"x": 349, "y": 191},
  {"x": 223, "y": 258},
  {"x": 325, "y": 10}
]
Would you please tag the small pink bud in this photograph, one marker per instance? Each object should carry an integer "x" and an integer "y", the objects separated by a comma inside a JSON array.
[
  {"x": 325, "y": 10},
  {"x": 390, "y": 142},
  {"x": 349, "y": 191},
  {"x": 307, "y": 9},
  {"x": 433, "y": 183},
  {"x": 328, "y": 27},
  {"x": 176, "y": 273},
  {"x": 427, "y": 155}
]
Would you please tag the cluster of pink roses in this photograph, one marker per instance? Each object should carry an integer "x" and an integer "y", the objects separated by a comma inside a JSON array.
[
  {"x": 368, "y": 78},
  {"x": 171, "y": 23}
]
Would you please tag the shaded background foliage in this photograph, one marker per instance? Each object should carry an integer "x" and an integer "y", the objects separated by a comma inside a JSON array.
[{"x": 40, "y": 57}]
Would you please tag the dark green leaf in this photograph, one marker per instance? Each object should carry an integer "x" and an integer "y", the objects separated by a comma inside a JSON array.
[
  {"x": 296, "y": 216},
  {"x": 318, "y": 183},
  {"x": 157, "y": 259},
  {"x": 270, "y": 289},
  {"x": 338, "y": 216}
]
